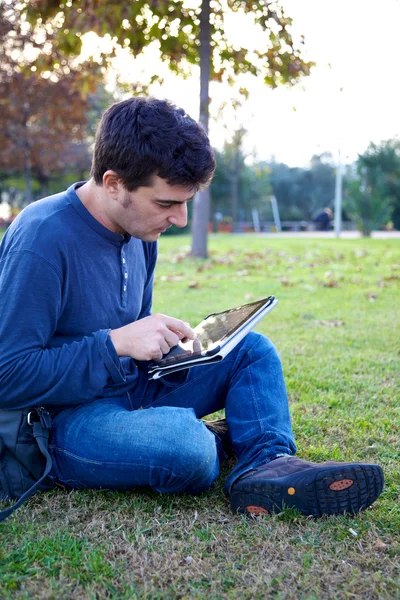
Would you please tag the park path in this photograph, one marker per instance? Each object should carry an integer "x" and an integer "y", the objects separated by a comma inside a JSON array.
[{"x": 345, "y": 235}]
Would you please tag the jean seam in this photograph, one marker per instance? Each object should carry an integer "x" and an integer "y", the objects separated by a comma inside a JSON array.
[
  {"x": 84, "y": 460},
  {"x": 255, "y": 402},
  {"x": 127, "y": 464}
]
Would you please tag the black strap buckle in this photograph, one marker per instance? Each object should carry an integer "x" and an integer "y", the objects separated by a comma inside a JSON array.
[{"x": 41, "y": 415}]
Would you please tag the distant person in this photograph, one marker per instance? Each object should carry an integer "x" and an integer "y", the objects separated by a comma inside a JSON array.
[
  {"x": 323, "y": 220},
  {"x": 76, "y": 287}
]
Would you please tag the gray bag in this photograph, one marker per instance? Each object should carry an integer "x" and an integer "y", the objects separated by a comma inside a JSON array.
[{"x": 25, "y": 461}]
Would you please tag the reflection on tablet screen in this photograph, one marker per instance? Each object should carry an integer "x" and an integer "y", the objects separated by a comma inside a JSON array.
[{"x": 212, "y": 332}]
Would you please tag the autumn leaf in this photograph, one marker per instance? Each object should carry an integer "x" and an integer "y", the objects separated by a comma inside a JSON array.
[
  {"x": 333, "y": 323},
  {"x": 331, "y": 283},
  {"x": 372, "y": 296},
  {"x": 171, "y": 278},
  {"x": 286, "y": 283}
]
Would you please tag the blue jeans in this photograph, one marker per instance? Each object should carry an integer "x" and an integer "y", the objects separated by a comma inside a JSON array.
[{"x": 112, "y": 443}]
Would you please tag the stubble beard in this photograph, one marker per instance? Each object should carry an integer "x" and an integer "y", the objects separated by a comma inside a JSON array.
[{"x": 126, "y": 200}]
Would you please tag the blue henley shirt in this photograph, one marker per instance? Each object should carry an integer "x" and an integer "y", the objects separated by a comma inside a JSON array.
[{"x": 65, "y": 281}]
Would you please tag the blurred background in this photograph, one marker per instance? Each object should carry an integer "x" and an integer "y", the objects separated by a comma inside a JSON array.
[{"x": 300, "y": 100}]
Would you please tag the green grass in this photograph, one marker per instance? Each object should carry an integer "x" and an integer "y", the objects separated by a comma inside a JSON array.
[{"x": 337, "y": 327}]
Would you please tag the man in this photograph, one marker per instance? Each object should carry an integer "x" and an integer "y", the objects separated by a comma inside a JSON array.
[
  {"x": 323, "y": 219},
  {"x": 76, "y": 281}
]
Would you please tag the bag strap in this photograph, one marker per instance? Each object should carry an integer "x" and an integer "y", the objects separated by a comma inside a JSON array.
[{"x": 40, "y": 431}]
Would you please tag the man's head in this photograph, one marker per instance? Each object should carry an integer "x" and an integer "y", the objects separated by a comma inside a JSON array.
[
  {"x": 149, "y": 160},
  {"x": 143, "y": 137}
]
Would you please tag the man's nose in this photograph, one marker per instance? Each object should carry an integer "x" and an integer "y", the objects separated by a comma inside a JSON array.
[{"x": 179, "y": 216}]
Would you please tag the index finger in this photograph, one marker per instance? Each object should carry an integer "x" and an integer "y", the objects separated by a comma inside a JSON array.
[{"x": 182, "y": 328}]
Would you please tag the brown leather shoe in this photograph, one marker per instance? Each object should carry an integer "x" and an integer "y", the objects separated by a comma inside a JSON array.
[{"x": 313, "y": 489}]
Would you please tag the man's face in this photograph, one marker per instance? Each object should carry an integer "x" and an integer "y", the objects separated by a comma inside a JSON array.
[{"x": 150, "y": 210}]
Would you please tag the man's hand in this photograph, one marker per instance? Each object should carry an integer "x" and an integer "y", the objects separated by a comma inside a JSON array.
[{"x": 150, "y": 338}]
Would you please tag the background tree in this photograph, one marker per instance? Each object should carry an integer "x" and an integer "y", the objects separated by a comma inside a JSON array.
[
  {"x": 186, "y": 35},
  {"x": 380, "y": 164},
  {"x": 252, "y": 187},
  {"x": 38, "y": 120},
  {"x": 365, "y": 206},
  {"x": 43, "y": 115},
  {"x": 301, "y": 192},
  {"x": 373, "y": 192}
]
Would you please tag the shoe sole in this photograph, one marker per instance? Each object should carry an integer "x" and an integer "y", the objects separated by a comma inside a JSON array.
[{"x": 328, "y": 490}]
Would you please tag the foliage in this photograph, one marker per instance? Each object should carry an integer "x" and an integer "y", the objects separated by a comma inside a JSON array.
[
  {"x": 175, "y": 26},
  {"x": 38, "y": 117},
  {"x": 97, "y": 103},
  {"x": 302, "y": 192},
  {"x": 340, "y": 356},
  {"x": 373, "y": 189},
  {"x": 253, "y": 185},
  {"x": 366, "y": 206},
  {"x": 42, "y": 117},
  {"x": 379, "y": 169}
]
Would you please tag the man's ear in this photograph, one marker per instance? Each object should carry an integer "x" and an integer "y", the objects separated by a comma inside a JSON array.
[{"x": 112, "y": 183}]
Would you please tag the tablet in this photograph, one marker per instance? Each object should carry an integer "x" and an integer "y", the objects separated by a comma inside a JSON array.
[{"x": 216, "y": 335}]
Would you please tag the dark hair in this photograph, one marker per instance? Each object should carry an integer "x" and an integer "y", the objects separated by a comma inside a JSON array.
[{"x": 142, "y": 137}]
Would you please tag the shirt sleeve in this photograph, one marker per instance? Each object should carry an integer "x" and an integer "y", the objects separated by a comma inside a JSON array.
[{"x": 31, "y": 372}]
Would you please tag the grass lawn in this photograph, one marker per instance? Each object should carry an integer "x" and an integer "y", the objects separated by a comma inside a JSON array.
[{"x": 337, "y": 327}]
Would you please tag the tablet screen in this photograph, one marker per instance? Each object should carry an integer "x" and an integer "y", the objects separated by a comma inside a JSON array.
[{"x": 213, "y": 331}]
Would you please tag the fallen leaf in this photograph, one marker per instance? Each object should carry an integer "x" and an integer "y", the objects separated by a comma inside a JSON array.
[
  {"x": 391, "y": 277},
  {"x": 286, "y": 283},
  {"x": 360, "y": 253},
  {"x": 332, "y": 323},
  {"x": 193, "y": 285},
  {"x": 171, "y": 278},
  {"x": 380, "y": 545},
  {"x": 177, "y": 258},
  {"x": 331, "y": 283},
  {"x": 372, "y": 296}
]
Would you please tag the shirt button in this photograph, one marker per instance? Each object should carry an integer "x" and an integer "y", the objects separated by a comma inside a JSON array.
[
  {"x": 124, "y": 288},
  {"x": 126, "y": 275},
  {"x": 123, "y": 261}
]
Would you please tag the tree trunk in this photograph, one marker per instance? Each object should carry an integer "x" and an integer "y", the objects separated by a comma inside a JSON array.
[
  {"x": 44, "y": 181},
  {"x": 202, "y": 201},
  {"x": 27, "y": 156},
  {"x": 235, "y": 189}
]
